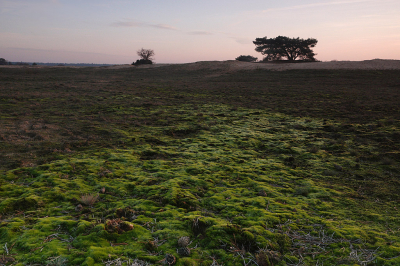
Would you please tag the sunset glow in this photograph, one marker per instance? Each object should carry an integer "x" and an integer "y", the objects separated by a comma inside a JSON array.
[{"x": 105, "y": 31}]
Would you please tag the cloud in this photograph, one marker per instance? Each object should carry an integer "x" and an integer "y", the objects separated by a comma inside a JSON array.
[
  {"x": 315, "y": 5},
  {"x": 242, "y": 40},
  {"x": 129, "y": 24},
  {"x": 162, "y": 26},
  {"x": 134, "y": 24},
  {"x": 200, "y": 33}
]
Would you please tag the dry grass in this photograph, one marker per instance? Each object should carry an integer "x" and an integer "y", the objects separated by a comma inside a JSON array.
[{"x": 89, "y": 199}]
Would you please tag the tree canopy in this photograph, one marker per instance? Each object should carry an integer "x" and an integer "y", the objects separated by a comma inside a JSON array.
[
  {"x": 145, "y": 54},
  {"x": 283, "y": 47}
]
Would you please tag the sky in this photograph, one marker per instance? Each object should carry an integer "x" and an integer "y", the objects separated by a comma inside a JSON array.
[{"x": 183, "y": 31}]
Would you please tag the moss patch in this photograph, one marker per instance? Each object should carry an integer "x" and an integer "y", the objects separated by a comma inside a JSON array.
[{"x": 242, "y": 185}]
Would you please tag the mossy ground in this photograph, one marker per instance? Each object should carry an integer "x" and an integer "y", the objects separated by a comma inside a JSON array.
[{"x": 249, "y": 184}]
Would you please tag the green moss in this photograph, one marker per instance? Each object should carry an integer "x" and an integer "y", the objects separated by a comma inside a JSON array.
[
  {"x": 89, "y": 261},
  {"x": 19, "y": 204},
  {"x": 246, "y": 181}
]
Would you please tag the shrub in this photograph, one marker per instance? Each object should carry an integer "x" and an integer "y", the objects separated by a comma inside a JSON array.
[
  {"x": 142, "y": 62},
  {"x": 246, "y": 58},
  {"x": 3, "y": 61}
]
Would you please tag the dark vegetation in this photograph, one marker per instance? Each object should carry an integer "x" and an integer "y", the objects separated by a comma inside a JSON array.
[
  {"x": 283, "y": 47},
  {"x": 146, "y": 57},
  {"x": 246, "y": 58},
  {"x": 3, "y": 62},
  {"x": 175, "y": 166},
  {"x": 142, "y": 62}
]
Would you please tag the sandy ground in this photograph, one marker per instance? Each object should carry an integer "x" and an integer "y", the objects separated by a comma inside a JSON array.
[
  {"x": 232, "y": 65},
  {"x": 378, "y": 64}
]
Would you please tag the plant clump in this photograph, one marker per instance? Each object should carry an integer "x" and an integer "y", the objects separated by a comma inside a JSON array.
[
  {"x": 118, "y": 226},
  {"x": 266, "y": 257},
  {"x": 246, "y": 58},
  {"x": 142, "y": 62},
  {"x": 183, "y": 251},
  {"x": 169, "y": 259},
  {"x": 183, "y": 241},
  {"x": 89, "y": 199}
]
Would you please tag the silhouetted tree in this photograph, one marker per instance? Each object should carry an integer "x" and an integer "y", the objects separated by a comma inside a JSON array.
[
  {"x": 3, "y": 61},
  {"x": 146, "y": 56},
  {"x": 246, "y": 58},
  {"x": 284, "y": 47}
]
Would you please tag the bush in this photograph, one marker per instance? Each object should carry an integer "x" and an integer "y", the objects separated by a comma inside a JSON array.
[
  {"x": 142, "y": 62},
  {"x": 3, "y": 61},
  {"x": 246, "y": 58}
]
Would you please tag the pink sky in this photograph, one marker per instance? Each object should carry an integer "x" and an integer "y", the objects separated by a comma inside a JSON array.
[{"x": 179, "y": 31}]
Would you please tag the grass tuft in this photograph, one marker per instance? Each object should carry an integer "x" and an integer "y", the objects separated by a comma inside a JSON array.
[{"x": 89, "y": 199}]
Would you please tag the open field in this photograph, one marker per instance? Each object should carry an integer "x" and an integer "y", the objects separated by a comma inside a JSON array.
[{"x": 210, "y": 163}]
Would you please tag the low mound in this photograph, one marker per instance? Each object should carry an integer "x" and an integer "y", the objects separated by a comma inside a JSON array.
[{"x": 376, "y": 64}]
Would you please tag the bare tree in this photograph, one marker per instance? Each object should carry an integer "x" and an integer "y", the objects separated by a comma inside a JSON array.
[{"x": 145, "y": 54}]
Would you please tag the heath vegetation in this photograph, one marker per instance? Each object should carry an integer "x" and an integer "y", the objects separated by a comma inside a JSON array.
[{"x": 179, "y": 166}]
